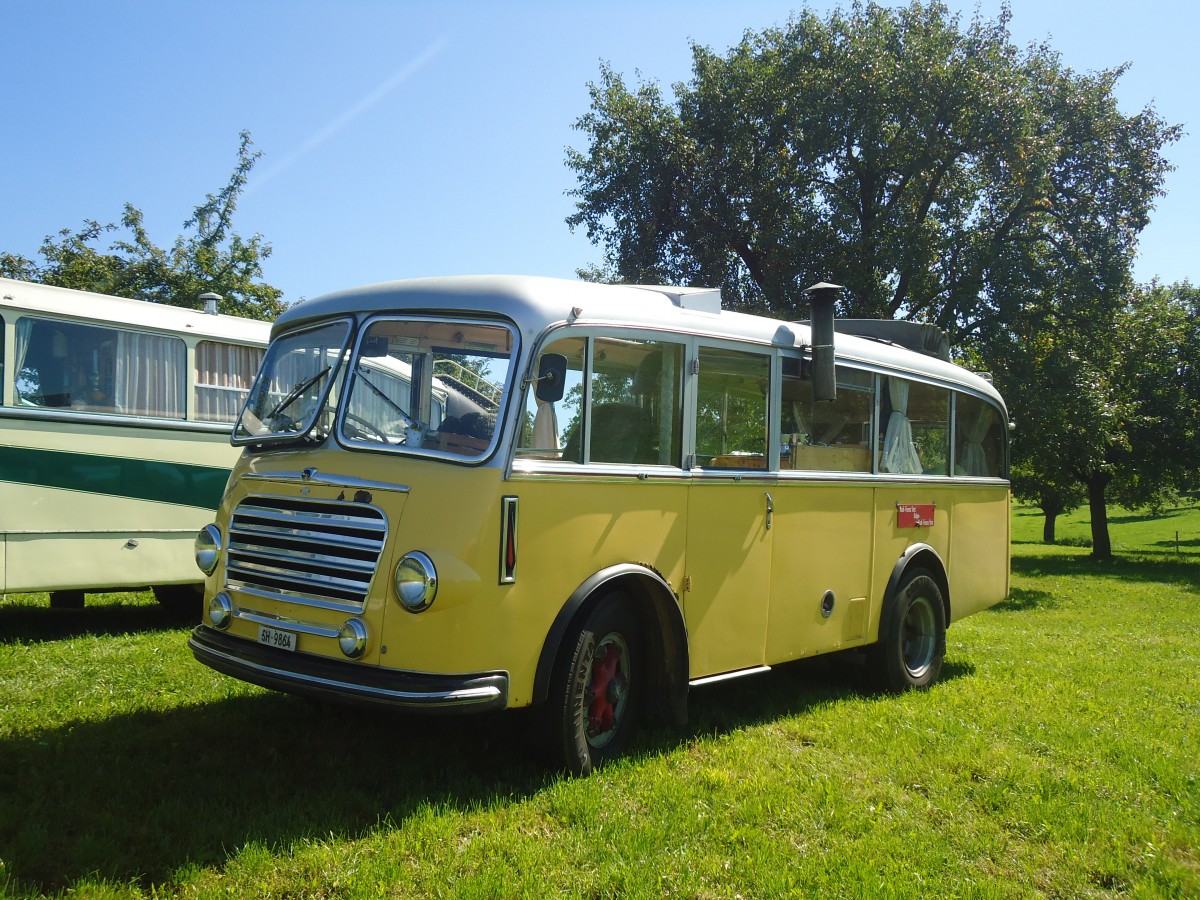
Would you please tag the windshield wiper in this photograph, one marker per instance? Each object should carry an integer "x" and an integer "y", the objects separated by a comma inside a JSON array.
[
  {"x": 294, "y": 394},
  {"x": 408, "y": 420}
]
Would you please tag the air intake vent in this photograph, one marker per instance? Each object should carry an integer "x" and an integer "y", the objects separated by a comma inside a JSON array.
[{"x": 311, "y": 552}]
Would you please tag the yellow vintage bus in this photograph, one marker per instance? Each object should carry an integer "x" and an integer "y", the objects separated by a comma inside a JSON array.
[
  {"x": 477, "y": 493},
  {"x": 115, "y": 418}
]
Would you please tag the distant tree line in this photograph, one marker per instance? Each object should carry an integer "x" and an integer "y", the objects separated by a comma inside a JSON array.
[
  {"x": 208, "y": 257},
  {"x": 943, "y": 175}
]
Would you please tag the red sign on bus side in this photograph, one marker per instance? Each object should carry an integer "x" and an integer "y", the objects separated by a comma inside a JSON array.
[{"x": 914, "y": 515}]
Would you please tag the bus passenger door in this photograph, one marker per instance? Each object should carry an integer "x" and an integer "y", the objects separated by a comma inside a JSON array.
[
  {"x": 728, "y": 571},
  {"x": 821, "y": 574},
  {"x": 729, "y": 536}
]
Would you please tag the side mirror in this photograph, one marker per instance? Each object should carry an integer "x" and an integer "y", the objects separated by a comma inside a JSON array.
[{"x": 551, "y": 381}]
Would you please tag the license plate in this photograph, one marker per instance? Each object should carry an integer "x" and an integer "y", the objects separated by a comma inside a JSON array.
[{"x": 273, "y": 637}]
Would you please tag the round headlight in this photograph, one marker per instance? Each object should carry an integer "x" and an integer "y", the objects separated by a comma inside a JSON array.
[
  {"x": 208, "y": 548},
  {"x": 220, "y": 610},
  {"x": 416, "y": 581},
  {"x": 352, "y": 638}
]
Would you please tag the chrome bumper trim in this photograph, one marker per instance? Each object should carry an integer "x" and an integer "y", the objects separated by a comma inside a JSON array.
[{"x": 347, "y": 682}]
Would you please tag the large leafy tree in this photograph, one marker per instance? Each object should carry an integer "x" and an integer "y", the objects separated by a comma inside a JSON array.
[
  {"x": 940, "y": 173},
  {"x": 208, "y": 257},
  {"x": 1111, "y": 410},
  {"x": 935, "y": 169}
]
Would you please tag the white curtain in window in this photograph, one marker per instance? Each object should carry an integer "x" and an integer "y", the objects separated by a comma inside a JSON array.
[
  {"x": 150, "y": 375},
  {"x": 899, "y": 454},
  {"x": 224, "y": 373},
  {"x": 25, "y": 388},
  {"x": 974, "y": 459},
  {"x": 545, "y": 427}
]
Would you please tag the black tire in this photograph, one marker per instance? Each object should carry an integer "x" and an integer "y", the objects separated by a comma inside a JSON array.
[
  {"x": 66, "y": 599},
  {"x": 596, "y": 686},
  {"x": 912, "y": 636},
  {"x": 180, "y": 598}
]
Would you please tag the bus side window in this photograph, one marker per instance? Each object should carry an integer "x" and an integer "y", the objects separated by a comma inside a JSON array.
[
  {"x": 832, "y": 436},
  {"x": 916, "y": 439},
  {"x": 224, "y": 373},
  {"x": 635, "y": 404},
  {"x": 731, "y": 409},
  {"x": 978, "y": 438},
  {"x": 93, "y": 368}
]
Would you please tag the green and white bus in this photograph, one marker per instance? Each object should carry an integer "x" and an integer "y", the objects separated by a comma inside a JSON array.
[{"x": 115, "y": 418}]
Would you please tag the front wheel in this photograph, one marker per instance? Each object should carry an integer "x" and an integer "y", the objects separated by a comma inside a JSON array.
[
  {"x": 595, "y": 688},
  {"x": 912, "y": 636}
]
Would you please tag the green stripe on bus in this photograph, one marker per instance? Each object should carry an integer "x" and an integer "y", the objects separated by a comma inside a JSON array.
[{"x": 139, "y": 479}]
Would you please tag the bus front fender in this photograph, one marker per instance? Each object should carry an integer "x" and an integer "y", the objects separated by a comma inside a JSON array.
[{"x": 662, "y": 623}]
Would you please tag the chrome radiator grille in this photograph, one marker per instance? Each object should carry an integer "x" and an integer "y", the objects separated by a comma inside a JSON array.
[{"x": 315, "y": 552}]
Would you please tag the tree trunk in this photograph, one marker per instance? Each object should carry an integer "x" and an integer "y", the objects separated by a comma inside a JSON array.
[
  {"x": 1101, "y": 545},
  {"x": 1048, "y": 527},
  {"x": 1050, "y": 509}
]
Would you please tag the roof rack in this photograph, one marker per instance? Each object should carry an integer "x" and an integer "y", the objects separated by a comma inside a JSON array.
[{"x": 917, "y": 336}]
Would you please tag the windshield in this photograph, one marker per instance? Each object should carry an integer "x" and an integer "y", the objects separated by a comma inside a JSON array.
[
  {"x": 290, "y": 389},
  {"x": 432, "y": 386}
]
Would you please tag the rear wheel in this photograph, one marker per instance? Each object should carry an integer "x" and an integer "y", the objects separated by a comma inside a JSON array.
[
  {"x": 595, "y": 689},
  {"x": 66, "y": 599},
  {"x": 912, "y": 636}
]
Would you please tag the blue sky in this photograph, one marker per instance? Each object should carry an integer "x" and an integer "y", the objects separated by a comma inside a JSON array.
[{"x": 426, "y": 138}]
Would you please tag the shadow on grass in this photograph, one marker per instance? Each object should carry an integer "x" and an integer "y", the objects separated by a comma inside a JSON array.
[
  {"x": 35, "y": 623},
  {"x": 1143, "y": 567},
  {"x": 137, "y": 797},
  {"x": 1024, "y": 600},
  {"x": 1128, "y": 518},
  {"x": 1173, "y": 544},
  {"x": 786, "y": 690}
]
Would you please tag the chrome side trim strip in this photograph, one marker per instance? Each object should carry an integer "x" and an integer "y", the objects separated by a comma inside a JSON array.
[
  {"x": 114, "y": 419},
  {"x": 99, "y": 532},
  {"x": 347, "y": 481},
  {"x": 727, "y": 676}
]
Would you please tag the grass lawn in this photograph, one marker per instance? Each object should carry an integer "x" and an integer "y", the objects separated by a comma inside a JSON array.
[{"x": 1057, "y": 757}]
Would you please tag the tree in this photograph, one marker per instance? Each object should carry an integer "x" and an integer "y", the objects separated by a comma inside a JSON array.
[
  {"x": 1042, "y": 472},
  {"x": 938, "y": 172},
  {"x": 209, "y": 257},
  {"x": 1112, "y": 409}
]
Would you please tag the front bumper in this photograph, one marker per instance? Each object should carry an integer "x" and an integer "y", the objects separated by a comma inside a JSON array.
[{"x": 321, "y": 678}]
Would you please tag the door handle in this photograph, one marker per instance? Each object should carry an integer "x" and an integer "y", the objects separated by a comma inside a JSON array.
[{"x": 770, "y": 510}]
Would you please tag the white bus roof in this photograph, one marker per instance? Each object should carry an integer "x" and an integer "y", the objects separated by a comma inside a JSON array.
[
  {"x": 535, "y": 303},
  {"x": 85, "y": 306}
]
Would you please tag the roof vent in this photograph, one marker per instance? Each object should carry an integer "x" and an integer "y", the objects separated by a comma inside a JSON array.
[
  {"x": 210, "y": 302},
  {"x": 698, "y": 299}
]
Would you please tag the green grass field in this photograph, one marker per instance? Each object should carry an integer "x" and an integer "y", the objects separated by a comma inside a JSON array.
[{"x": 1057, "y": 757}]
